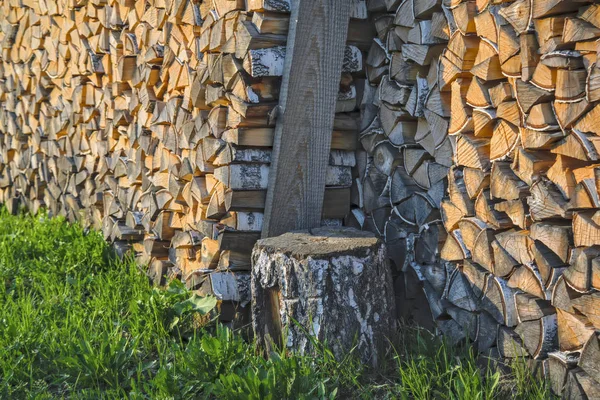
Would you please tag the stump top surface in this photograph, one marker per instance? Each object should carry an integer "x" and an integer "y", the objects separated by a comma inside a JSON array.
[{"x": 324, "y": 241}]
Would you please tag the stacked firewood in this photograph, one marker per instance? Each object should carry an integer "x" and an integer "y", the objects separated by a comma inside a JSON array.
[
  {"x": 154, "y": 120},
  {"x": 406, "y": 152},
  {"x": 478, "y": 160},
  {"x": 511, "y": 89}
]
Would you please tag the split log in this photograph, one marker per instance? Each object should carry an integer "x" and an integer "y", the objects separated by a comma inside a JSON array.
[{"x": 557, "y": 368}]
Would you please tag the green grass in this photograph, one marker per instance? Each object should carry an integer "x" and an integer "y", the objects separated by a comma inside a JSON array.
[
  {"x": 76, "y": 322},
  {"x": 432, "y": 369}
]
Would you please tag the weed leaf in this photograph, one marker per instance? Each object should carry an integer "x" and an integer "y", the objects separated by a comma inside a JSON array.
[{"x": 199, "y": 304}]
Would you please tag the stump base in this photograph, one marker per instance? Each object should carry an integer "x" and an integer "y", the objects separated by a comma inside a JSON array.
[{"x": 329, "y": 284}]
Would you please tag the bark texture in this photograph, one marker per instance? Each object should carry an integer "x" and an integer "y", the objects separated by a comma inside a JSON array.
[{"x": 330, "y": 284}]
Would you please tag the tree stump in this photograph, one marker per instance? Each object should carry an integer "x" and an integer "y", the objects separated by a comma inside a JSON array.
[{"x": 329, "y": 284}]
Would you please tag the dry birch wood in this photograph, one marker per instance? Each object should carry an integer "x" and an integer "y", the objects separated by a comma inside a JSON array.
[
  {"x": 557, "y": 367},
  {"x": 154, "y": 123},
  {"x": 313, "y": 309}
]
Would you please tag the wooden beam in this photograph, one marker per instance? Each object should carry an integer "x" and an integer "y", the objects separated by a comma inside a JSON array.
[{"x": 313, "y": 66}]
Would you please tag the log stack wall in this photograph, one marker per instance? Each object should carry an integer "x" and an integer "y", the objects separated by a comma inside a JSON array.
[
  {"x": 501, "y": 95},
  {"x": 153, "y": 122},
  {"x": 466, "y": 135},
  {"x": 406, "y": 152}
]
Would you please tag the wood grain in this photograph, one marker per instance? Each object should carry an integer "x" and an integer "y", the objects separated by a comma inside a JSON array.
[{"x": 313, "y": 65}]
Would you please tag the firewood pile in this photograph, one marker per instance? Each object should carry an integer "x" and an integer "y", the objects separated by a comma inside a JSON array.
[
  {"x": 465, "y": 135},
  {"x": 406, "y": 151},
  {"x": 503, "y": 96},
  {"x": 153, "y": 121}
]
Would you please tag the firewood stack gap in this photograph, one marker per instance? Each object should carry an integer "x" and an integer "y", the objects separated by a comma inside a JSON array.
[{"x": 503, "y": 95}]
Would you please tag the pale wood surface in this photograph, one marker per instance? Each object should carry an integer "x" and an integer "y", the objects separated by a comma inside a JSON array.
[{"x": 301, "y": 145}]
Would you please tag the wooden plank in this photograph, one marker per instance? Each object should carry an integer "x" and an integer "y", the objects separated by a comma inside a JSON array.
[
  {"x": 313, "y": 65},
  {"x": 336, "y": 202}
]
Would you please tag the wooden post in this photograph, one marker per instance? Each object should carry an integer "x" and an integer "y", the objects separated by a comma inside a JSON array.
[{"x": 313, "y": 66}]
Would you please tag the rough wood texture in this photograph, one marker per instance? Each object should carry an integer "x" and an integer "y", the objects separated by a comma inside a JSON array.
[
  {"x": 335, "y": 282},
  {"x": 404, "y": 158},
  {"x": 314, "y": 59}
]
